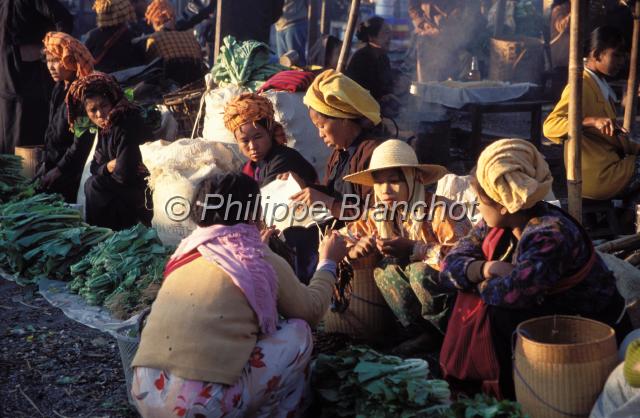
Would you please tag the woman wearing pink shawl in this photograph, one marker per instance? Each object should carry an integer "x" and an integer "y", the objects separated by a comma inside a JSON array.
[{"x": 229, "y": 333}]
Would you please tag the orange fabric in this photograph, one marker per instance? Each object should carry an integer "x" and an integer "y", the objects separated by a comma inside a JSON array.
[
  {"x": 113, "y": 12},
  {"x": 159, "y": 12},
  {"x": 250, "y": 108},
  {"x": 73, "y": 55}
]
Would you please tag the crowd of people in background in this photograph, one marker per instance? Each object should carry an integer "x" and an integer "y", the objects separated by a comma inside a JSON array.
[{"x": 524, "y": 259}]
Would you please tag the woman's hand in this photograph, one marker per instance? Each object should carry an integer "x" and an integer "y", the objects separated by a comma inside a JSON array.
[
  {"x": 606, "y": 126},
  {"x": 308, "y": 196},
  {"x": 363, "y": 247},
  {"x": 492, "y": 269},
  {"x": 49, "y": 178},
  {"x": 395, "y": 247},
  {"x": 333, "y": 247},
  {"x": 111, "y": 166},
  {"x": 265, "y": 234}
]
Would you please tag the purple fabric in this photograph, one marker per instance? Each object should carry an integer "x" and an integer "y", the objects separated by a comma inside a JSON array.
[{"x": 239, "y": 251}]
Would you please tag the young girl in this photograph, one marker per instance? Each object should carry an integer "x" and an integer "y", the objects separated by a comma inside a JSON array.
[
  {"x": 526, "y": 259},
  {"x": 64, "y": 152},
  {"x": 408, "y": 225},
  {"x": 262, "y": 140},
  {"x": 116, "y": 191}
]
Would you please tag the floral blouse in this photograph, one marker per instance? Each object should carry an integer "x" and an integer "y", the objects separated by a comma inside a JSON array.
[
  {"x": 552, "y": 247},
  {"x": 439, "y": 232}
]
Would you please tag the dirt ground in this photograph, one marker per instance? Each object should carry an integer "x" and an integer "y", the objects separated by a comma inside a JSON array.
[{"x": 51, "y": 366}]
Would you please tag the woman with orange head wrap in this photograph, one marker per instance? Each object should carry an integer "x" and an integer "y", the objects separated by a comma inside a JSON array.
[
  {"x": 263, "y": 141},
  {"x": 64, "y": 153},
  {"x": 160, "y": 14}
]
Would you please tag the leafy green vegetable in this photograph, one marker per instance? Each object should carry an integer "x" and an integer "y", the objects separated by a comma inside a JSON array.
[
  {"x": 364, "y": 383},
  {"x": 483, "y": 406},
  {"x": 246, "y": 64},
  {"x": 41, "y": 237},
  {"x": 125, "y": 264},
  {"x": 82, "y": 125},
  {"x": 13, "y": 185}
]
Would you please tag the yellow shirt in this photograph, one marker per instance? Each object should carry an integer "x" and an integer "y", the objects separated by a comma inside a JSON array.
[{"x": 608, "y": 162}]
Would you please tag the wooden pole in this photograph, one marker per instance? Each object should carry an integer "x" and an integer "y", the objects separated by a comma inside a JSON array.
[
  {"x": 574, "y": 160},
  {"x": 348, "y": 35},
  {"x": 632, "y": 83},
  {"x": 500, "y": 9},
  {"x": 323, "y": 18},
  {"x": 218, "y": 41}
]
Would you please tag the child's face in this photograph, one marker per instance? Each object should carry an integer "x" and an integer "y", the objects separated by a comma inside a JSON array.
[
  {"x": 98, "y": 109},
  {"x": 254, "y": 141},
  {"x": 390, "y": 186},
  {"x": 57, "y": 70},
  {"x": 610, "y": 61}
]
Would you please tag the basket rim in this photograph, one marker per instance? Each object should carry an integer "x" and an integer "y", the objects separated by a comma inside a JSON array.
[{"x": 610, "y": 331}]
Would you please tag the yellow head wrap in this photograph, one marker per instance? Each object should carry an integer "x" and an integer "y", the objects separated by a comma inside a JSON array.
[
  {"x": 631, "y": 368},
  {"x": 72, "y": 53},
  {"x": 514, "y": 174},
  {"x": 336, "y": 95}
]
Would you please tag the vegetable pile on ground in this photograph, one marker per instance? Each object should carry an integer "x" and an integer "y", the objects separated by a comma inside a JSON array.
[
  {"x": 245, "y": 64},
  {"x": 123, "y": 272},
  {"x": 13, "y": 185},
  {"x": 483, "y": 406},
  {"x": 362, "y": 382},
  {"x": 42, "y": 237}
]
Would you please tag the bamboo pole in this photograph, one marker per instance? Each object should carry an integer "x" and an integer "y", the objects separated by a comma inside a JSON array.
[
  {"x": 500, "y": 9},
  {"x": 348, "y": 35},
  {"x": 323, "y": 18},
  {"x": 218, "y": 41},
  {"x": 632, "y": 82},
  {"x": 574, "y": 160},
  {"x": 619, "y": 244}
]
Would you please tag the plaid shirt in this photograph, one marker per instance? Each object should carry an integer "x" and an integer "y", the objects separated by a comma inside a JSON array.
[
  {"x": 114, "y": 12},
  {"x": 174, "y": 45}
]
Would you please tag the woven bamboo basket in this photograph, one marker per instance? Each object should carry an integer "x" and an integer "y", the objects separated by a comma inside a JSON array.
[
  {"x": 367, "y": 317},
  {"x": 561, "y": 364},
  {"x": 516, "y": 59},
  {"x": 31, "y": 157},
  {"x": 184, "y": 105}
]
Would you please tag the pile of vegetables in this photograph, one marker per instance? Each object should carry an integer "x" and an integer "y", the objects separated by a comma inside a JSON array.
[
  {"x": 359, "y": 381},
  {"x": 13, "y": 185},
  {"x": 41, "y": 237},
  {"x": 244, "y": 64},
  {"x": 120, "y": 270},
  {"x": 483, "y": 406}
]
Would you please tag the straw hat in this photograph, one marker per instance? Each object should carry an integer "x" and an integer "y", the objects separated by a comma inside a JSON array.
[{"x": 395, "y": 153}]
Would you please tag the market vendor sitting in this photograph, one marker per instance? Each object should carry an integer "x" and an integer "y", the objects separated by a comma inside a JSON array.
[
  {"x": 525, "y": 259},
  {"x": 345, "y": 115},
  {"x": 409, "y": 225},
  {"x": 65, "y": 153},
  {"x": 116, "y": 193},
  {"x": 180, "y": 51},
  {"x": 610, "y": 167},
  {"x": 214, "y": 343},
  {"x": 250, "y": 117}
]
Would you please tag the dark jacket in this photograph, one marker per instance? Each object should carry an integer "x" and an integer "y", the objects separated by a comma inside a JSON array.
[
  {"x": 370, "y": 67},
  {"x": 282, "y": 159},
  {"x": 120, "y": 55}
]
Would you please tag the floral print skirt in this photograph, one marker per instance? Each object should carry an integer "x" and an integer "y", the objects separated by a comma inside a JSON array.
[{"x": 274, "y": 383}]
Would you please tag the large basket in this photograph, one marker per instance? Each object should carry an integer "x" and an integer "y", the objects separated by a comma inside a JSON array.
[
  {"x": 367, "y": 317},
  {"x": 516, "y": 59},
  {"x": 561, "y": 364},
  {"x": 184, "y": 105},
  {"x": 128, "y": 339}
]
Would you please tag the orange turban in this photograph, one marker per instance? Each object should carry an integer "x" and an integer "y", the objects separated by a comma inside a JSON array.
[
  {"x": 159, "y": 12},
  {"x": 73, "y": 55},
  {"x": 250, "y": 108}
]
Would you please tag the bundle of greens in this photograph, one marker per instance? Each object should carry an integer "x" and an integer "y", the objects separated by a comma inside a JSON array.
[
  {"x": 483, "y": 406},
  {"x": 13, "y": 184},
  {"x": 245, "y": 64},
  {"x": 41, "y": 237},
  {"x": 129, "y": 259},
  {"x": 364, "y": 383}
]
